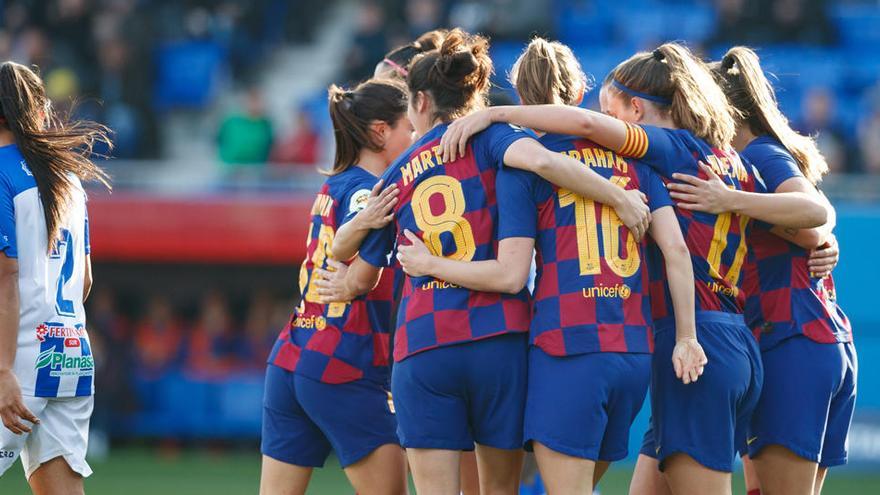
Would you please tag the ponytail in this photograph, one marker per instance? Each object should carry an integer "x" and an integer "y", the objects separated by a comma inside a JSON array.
[
  {"x": 396, "y": 62},
  {"x": 685, "y": 88},
  {"x": 752, "y": 95},
  {"x": 548, "y": 72},
  {"x": 352, "y": 113},
  {"x": 456, "y": 76},
  {"x": 54, "y": 148}
]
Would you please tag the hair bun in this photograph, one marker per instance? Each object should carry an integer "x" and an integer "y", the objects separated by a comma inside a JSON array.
[
  {"x": 728, "y": 62},
  {"x": 658, "y": 55}
]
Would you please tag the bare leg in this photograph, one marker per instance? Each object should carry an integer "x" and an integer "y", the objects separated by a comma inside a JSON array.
[
  {"x": 383, "y": 472},
  {"x": 56, "y": 478},
  {"x": 647, "y": 478},
  {"x": 435, "y": 471},
  {"x": 599, "y": 471},
  {"x": 470, "y": 479},
  {"x": 750, "y": 475},
  {"x": 499, "y": 470},
  {"x": 782, "y": 472},
  {"x": 281, "y": 478},
  {"x": 564, "y": 474},
  {"x": 820, "y": 480},
  {"x": 688, "y": 477}
]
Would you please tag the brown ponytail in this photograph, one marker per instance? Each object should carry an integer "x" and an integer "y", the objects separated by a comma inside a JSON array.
[
  {"x": 352, "y": 113},
  {"x": 397, "y": 60},
  {"x": 53, "y": 147},
  {"x": 548, "y": 72},
  {"x": 695, "y": 101},
  {"x": 749, "y": 91},
  {"x": 455, "y": 76}
]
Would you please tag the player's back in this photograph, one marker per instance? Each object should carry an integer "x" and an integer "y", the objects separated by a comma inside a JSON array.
[
  {"x": 342, "y": 341},
  {"x": 453, "y": 208},
  {"x": 717, "y": 242},
  {"x": 783, "y": 298},
  {"x": 54, "y": 358},
  {"x": 591, "y": 289}
]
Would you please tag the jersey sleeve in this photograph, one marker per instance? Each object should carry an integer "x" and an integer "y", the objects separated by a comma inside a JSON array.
[
  {"x": 7, "y": 219},
  {"x": 495, "y": 140},
  {"x": 353, "y": 201},
  {"x": 652, "y": 185},
  {"x": 378, "y": 245},
  {"x": 517, "y": 206},
  {"x": 657, "y": 147},
  {"x": 775, "y": 169}
]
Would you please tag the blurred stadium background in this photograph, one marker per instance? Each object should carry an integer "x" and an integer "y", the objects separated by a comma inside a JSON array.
[{"x": 220, "y": 121}]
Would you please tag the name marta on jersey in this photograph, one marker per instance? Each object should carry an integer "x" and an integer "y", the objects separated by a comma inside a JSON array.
[{"x": 60, "y": 363}]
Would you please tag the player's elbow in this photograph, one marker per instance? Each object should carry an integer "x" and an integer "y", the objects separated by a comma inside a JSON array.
[
  {"x": 815, "y": 215},
  {"x": 676, "y": 252},
  {"x": 810, "y": 238},
  {"x": 585, "y": 124},
  {"x": 512, "y": 283}
]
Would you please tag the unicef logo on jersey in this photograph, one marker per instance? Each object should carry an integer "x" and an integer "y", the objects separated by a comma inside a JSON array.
[{"x": 60, "y": 364}]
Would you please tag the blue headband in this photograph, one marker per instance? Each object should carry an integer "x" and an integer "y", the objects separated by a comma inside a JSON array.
[{"x": 656, "y": 99}]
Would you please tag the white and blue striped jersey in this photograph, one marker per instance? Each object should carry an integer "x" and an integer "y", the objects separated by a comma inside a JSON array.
[{"x": 54, "y": 358}]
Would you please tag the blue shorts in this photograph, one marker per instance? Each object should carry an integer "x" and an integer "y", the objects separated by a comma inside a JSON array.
[
  {"x": 584, "y": 405},
  {"x": 303, "y": 419},
  {"x": 706, "y": 420},
  {"x": 807, "y": 401},
  {"x": 451, "y": 397}
]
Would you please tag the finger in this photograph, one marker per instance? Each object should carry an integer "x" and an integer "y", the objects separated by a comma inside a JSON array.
[
  {"x": 694, "y": 375},
  {"x": 336, "y": 263},
  {"x": 643, "y": 196},
  {"x": 390, "y": 203},
  {"x": 676, "y": 364},
  {"x": 709, "y": 172},
  {"x": 377, "y": 188},
  {"x": 26, "y": 414},
  {"x": 687, "y": 178},
  {"x": 691, "y": 206},
  {"x": 322, "y": 274},
  {"x": 681, "y": 196},
  {"x": 700, "y": 370},
  {"x": 391, "y": 190},
  {"x": 684, "y": 188},
  {"x": 412, "y": 237},
  {"x": 20, "y": 427}
]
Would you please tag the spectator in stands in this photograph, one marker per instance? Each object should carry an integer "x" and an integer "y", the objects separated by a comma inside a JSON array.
[
  {"x": 422, "y": 16},
  {"x": 158, "y": 340},
  {"x": 369, "y": 44},
  {"x": 801, "y": 21},
  {"x": 245, "y": 137},
  {"x": 214, "y": 347},
  {"x": 260, "y": 331},
  {"x": 818, "y": 119},
  {"x": 869, "y": 140},
  {"x": 302, "y": 146}
]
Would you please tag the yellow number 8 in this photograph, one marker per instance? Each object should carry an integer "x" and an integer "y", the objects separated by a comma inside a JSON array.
[{"x": 451, "y": 220}]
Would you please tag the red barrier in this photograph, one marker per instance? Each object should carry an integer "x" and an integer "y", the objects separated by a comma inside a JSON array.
[{"x": 211, "y": 229}]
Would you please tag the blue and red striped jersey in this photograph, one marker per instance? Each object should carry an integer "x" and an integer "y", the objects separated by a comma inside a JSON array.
[
  {"x": 338, "y": 342},
  {"x": 452, "y": 207},
  {"x": 717, "y": 243},
  {"x": 591, "y": 285},
  {"x": 783, "y": 300}
]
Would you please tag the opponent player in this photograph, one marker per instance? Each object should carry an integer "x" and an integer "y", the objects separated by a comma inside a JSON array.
[
  {"x": 589, "y": 363},
  {"x": 450, "y": 396},
  {"x": 46, "y": 365},
  {"x": 684, "y": 117},
  {"x": 326, "y": 383},
  {"x": 799, "y": 427}
]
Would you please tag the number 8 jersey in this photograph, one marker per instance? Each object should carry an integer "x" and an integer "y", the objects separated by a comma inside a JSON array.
[
  {"x": 453, "y": 208},
  {"x": 54, "y": 358}
]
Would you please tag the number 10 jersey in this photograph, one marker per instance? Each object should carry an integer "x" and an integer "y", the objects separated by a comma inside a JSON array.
[{"x": 53, "y": 358}]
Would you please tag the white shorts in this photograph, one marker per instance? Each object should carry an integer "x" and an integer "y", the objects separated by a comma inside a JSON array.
[{"x": 63, "y": 432}]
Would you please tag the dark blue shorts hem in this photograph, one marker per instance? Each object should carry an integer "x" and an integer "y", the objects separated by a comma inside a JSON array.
[
  {"x": 839, "y": 461},
  {"x": 289, "y": 459},
  {"x": 756, "y": 447},
  {"x": 348, "y": 458},
  {"x": 715, "y": 464},
  {"x": 433, "y": 443}
]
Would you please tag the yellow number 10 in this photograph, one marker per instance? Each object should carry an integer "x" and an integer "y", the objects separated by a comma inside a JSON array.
[
  {"x": 588, "y": 235},
  {"x": 451, "y": 220}
]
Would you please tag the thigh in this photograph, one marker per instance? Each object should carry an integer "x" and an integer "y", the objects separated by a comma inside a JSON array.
[
  {"x": 781, "y": 471},
  {"x": 430, "y": 401},
  {"x": 55, "y": 477},
  {"x": 63, "y": 432},
  {"x": 647, "y": 478},
  {"x": 288, "y": 434},
  {"x": 435, "y": 471},
  {"x": 382, "y": 472},
  {"x": 496, "y": 390},
  {"x": 499, "y": 469},
  {"x": 281, "y": 478},
  {"x": 563, "y": 473},
  {"x": 355, "y": 417},
  {"x": 687, "y": 476}
]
